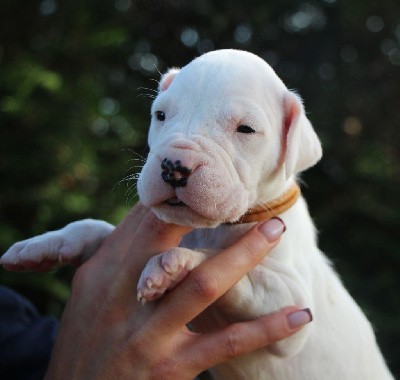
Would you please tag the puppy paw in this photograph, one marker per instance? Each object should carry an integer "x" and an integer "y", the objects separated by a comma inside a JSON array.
[
  {"x": 163, "y": 272},
  {"x": 41, "y": 253},
  {"x": 52, "y": 249}
]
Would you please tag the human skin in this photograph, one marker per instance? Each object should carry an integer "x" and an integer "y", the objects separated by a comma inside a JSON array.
[{"x": 105, "y": 333}]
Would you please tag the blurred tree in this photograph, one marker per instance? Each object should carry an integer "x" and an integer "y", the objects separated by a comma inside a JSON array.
[{"x": 76, "y": 83}]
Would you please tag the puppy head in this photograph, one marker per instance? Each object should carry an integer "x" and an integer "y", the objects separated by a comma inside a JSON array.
[{"x": 226, "y": 135}]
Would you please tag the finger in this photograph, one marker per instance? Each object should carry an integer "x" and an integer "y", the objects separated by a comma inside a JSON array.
[
  {"x": 107, "y": 262},
  {"x": 158, "y": 236},
  {"x": 143, "y": 239},
  {"x": 119, "y": 242},
  {"x": 244, "y": 337},
  {"x": 215, "y": 276},
  {"x": 152, "y": 237}
]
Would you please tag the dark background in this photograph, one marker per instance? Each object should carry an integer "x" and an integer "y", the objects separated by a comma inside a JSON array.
[{"x": 76, "y": 79}]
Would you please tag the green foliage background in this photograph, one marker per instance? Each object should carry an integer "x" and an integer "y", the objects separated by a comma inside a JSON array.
[{"x": 76, "y": 80}]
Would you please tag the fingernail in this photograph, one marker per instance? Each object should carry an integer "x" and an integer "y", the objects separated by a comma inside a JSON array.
[
  {"x": 273, "y": 229},
  {"x": 299, "y": 318}
]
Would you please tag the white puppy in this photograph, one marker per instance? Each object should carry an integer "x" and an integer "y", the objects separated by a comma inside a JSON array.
[{"x": 227, "y": 139}]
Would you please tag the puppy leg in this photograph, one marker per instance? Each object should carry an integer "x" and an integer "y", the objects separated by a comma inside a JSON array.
[
  {"x": 165, "y": 271},
  {"x": 76, "y": 241}
]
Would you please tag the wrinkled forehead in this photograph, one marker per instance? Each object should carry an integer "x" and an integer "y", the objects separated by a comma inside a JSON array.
[
  {"x": 228, "y": 76},
  {"x": 215, "y": 80}
]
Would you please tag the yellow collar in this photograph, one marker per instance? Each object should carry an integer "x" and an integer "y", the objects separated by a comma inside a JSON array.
[{"x": 271, "y": 209}]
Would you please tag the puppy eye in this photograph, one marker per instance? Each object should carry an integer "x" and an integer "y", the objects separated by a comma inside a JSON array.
[
  {"x": 245, "y": 129},
  {"x": 160, "y": 115}
]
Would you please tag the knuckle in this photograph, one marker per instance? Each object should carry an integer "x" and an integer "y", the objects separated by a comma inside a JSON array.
[
  {"x": 160, "y": 231},
  {"x": 78, "y": 280},
  {"x": 164, "y": 369},
  {"x": 233, "y": 344},
  {"x": 158, "y": 366},
  {"x": 82, "y": 278},
  {"x": 155, "y": 225},
  {"x": 203, "y": 286},
  {"x": 138, "y": 346},
  {"x": 157, "y": 230},
  {"x": 252, "y": 248},
  {"x": 269, "y": 336},
  {"x": 247, "y": 247}
]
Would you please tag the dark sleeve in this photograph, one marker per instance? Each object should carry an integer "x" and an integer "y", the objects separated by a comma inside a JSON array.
[{"x": 26, "y": 338}]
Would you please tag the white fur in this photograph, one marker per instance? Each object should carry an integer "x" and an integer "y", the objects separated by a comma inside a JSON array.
[
  {"x": 204, "y": 103},
  {"x": 76, "y": 241}
]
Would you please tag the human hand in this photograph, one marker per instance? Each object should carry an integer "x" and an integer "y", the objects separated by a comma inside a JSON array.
[{"x": 106, "y": 334}]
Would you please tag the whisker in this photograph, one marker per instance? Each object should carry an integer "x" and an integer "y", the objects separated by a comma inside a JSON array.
[
  {"x": 146, "y": 92},
  {"x": 134, "y": 167},
  {"x": 131, "y": 194},
  {"x": 136, "y": 153},
  {"x": 131, "y": 175},
  {"x": 151, "y": 96},
  {"x": 148, "y": 89},
  {"x": 159, "y": 72},
  {"x": 156, "y": 80},
  {"x": 128, "y": 178}
]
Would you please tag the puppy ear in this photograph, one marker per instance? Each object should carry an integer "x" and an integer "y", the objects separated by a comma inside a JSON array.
[
  {"x": 301, "y": 146},
  {"x": 167, "y": 78}
]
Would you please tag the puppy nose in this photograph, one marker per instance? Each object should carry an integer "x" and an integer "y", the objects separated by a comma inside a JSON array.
[{"x": 175, "y": 174}]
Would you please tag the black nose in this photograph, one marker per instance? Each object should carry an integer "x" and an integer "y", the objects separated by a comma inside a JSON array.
[{"x": 175, "y": 173}]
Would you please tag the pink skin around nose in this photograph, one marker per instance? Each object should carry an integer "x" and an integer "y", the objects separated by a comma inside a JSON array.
[
  {"x": 211, "y": 195},
  {"x": 174, "y": 173}
]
